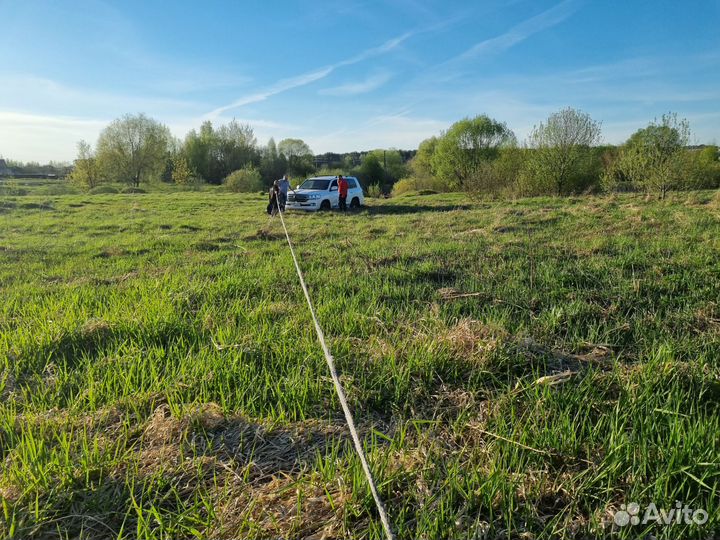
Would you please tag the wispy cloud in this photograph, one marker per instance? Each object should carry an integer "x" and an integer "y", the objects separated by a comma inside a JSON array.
[
  {"x": 42, "y": 95},
  {"x": 51, "y": 122},
  {"x": 521, "y": 32},
  {"x": 371, "y": 83},
  {"x": 309, "y": 77},
  {"x": 399, "y": 130},
  {"x": 27, "y": 136}
]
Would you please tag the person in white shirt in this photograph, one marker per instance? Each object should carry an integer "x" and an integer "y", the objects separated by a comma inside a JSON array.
[{"x": 284, "y": 185}]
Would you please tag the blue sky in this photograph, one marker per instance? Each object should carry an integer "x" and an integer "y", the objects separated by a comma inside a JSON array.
[{"x": 352, "y": 75}]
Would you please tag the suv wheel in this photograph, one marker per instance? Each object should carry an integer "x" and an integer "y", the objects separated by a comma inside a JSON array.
[
  {"x": 325, "y": 205},
  {"x": 355, "y": 203}
]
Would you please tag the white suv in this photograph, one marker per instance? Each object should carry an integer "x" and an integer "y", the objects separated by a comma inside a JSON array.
[{"x": 321, "y": 193}]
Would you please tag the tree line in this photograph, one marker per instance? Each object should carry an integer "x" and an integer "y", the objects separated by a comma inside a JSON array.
[
  {"x": 562, "y": 156},
  {"x": 135, "y": 149},
  {"x": 19, "y": 169},
  {"x": 482, "y": 156}
]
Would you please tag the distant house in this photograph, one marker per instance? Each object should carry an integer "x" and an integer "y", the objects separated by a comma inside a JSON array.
[{"x": 4, "y": 169}]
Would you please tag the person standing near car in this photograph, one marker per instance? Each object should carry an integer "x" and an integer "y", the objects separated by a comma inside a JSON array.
[
  {"x": 284, "y": 185},
  {"x": 342, "y": 193},
  {"x": 273, "y": 198}
]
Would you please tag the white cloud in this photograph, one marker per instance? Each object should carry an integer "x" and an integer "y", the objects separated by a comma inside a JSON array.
[
  {"x": 32, "y": 137},
  {"x": 382, "y": 131},
  {"x": 520, "y": 32},
  {"x": 309, "y": 77},
  {"x": 278, "y": 88},
  {"x": 361, "y": 87},
  {"x": 27, "y": 92}
]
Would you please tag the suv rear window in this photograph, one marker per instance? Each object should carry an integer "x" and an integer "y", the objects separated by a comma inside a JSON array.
[{"x": 351, "y": 183}]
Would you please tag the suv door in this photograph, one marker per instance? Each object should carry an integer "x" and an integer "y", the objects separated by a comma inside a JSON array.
[{"x": 334, "y": 196}]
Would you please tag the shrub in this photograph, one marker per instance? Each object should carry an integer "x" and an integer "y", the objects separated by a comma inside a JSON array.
[
  {"x": 327, "y": 171},
  {"x": 182, "y": 173},
  {"x": 655, "y": 158},
  {"x": 405, "y": 185},
  {"x": 132, "y": 189},
  {"x": 374, "y": 191},
  {"x": 419, "y": 183},
  {"x": 103, "y": 189},
  {"x": 63, "y": 188},
  {"x": 244, "y": 180},
  {"x": 703, "y": 169}
]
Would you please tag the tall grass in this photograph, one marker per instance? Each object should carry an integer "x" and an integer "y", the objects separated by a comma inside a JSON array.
[{"x": 517, "y": 370}]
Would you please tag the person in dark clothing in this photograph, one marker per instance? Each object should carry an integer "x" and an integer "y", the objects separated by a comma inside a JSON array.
[
  {"x": 274, "y": 195},
  {"x": 342, "y": 193}
]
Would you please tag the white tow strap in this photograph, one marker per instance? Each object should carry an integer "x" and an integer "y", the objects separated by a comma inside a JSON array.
[{"x": 339, "y": 390}]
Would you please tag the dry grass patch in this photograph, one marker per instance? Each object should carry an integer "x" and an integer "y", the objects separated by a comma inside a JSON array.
[
  {"x": 283, "y": 507},
  {"x": 470, "y": 338},
  {"x": 262, "y": 488},
  {"x": 204, "y": 430},
  {"x": 95, "y": 328}
]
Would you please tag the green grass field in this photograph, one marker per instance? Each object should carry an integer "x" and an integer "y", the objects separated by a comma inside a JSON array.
[{"x": 517, "y": 370}]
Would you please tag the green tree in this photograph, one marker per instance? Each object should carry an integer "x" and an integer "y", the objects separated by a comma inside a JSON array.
[
  {"x": 371, "y": 170},
  {"x": 300, "y": 159},
  {"x": 463, "y": 149},
  {"x": 395, "y": 165},
  {"x": 655, "y": 157},
  {"x": 272, "y": 164},
  {"x": 198, "y": 149},
  {"x": 245, "y": 180},
  {"x": 133, "y": 149},
  {"x": 560, "y": 144},
  {"x": 704, "y": 168},
  {"x": 422, "y": 164},
  {"x": 214, "y": 153},
  {"x": 86, "y": 172},
  {"x": 501, "y": 176},
  {"x": 236, "y": 147},
  {"x": 182, "y": 173},
  {"x": 392, "y": 164},
  {"x": 420, "y": 170}
]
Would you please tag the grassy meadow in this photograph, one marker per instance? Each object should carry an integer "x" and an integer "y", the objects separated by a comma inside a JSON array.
[{"x": 517, "y": 369}]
